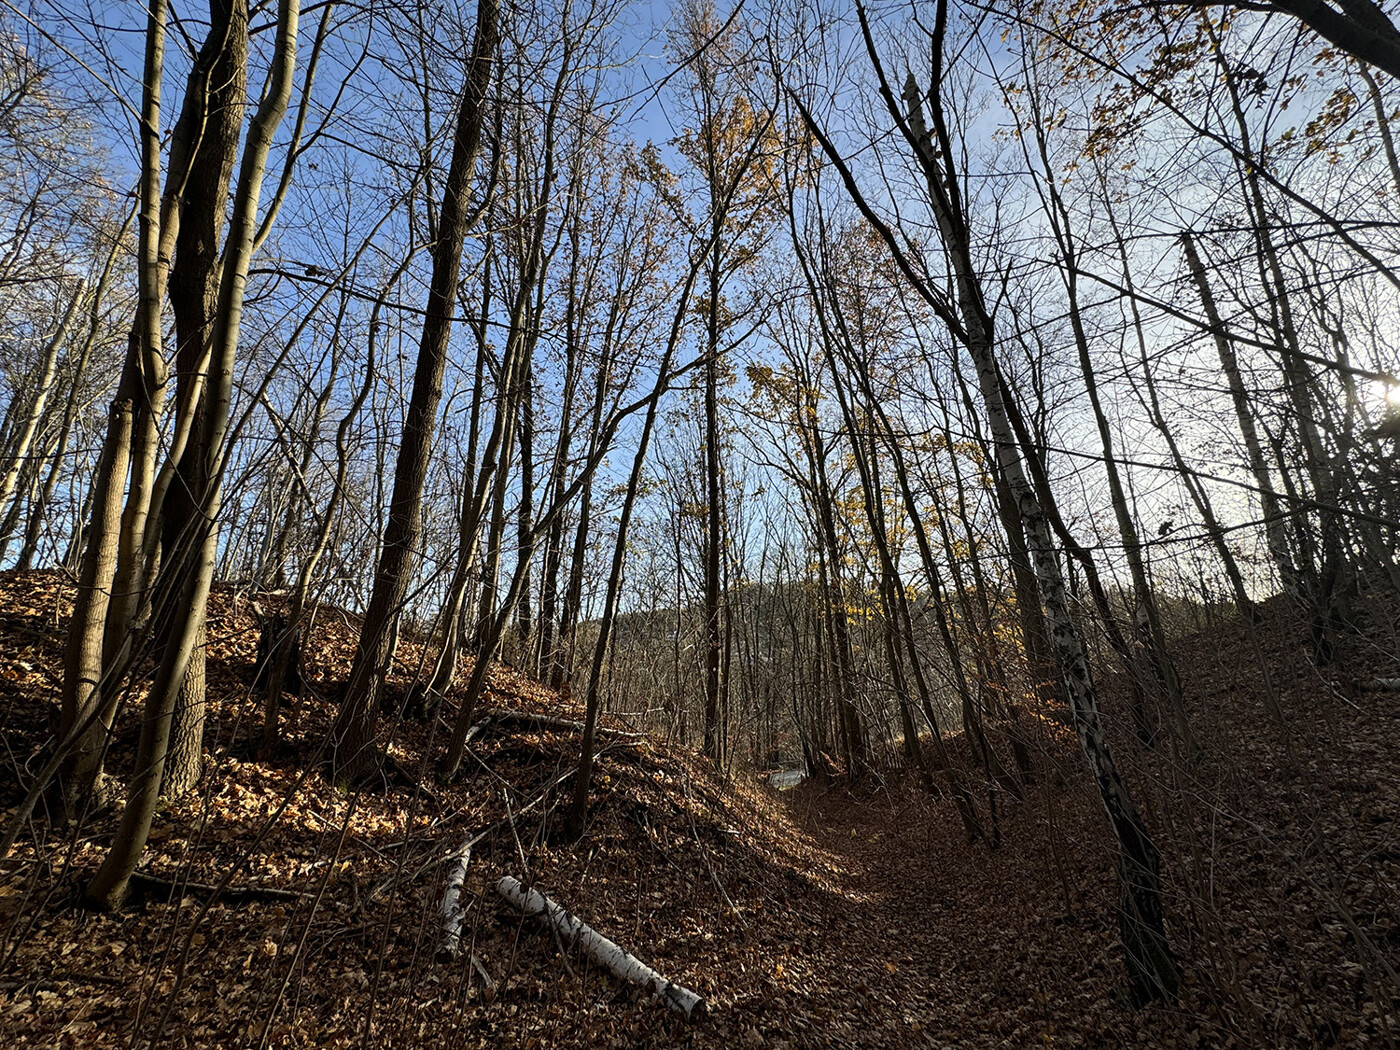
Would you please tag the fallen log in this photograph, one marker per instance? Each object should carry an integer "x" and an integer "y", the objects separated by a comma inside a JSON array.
[
  {"x": 452, "y": 910},
  {"x": 1379, "y": 685},
  {"x": 507, "y": 717},
  {"x": 156, "y": 888},
  {"x": 476, "y": 730},
  {"x": 623, "y": 965},
  {"x": 453, "y": 913}
]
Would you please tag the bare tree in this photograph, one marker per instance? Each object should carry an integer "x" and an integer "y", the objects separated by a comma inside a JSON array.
[{"x": 355, "y": 753}]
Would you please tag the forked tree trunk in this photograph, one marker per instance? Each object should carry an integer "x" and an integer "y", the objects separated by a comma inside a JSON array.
[
  {"x": 191, "y": 565},
  {"x": 203, "y": 147},
  {"x": 213, "y": 116}
]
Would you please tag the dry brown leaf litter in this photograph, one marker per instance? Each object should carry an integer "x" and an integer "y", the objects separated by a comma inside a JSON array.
[{"x": 863, "y": 917}]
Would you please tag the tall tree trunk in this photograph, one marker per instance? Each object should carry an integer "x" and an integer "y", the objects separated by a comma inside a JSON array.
[
  {"x": 577, "y": 815},
  {"x": 1274, "y": 531},
  {"x": 192, "y": 564},
  {"x": 562, "y": 662},
  {"x": 835, "y": 598},
  {"x": 1151, "y": 964},
  {"x": 457, "y": 605},
  {"x": 573, "y": 593},
  {"x": 354, "y": 732},
  {"x": 84, "y": 709},
  {"x": 496, "y": 527}
]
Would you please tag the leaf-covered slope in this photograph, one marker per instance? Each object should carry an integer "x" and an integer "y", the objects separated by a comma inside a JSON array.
[{"x": 837, "y": 915}]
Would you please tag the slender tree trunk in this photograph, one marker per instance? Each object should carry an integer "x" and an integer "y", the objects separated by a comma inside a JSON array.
[
  {"x": 496, "y": 528},
  {"x": 82, "y": 663},
  {"x": 286, "y": 645},
  {"x": 192, "y": 564},
  {"x": 1197, "y": 492},
  {"x": 1333, "y": 577},
  {"x": 714, "y": 539},
  {"x": 354, "y": 732},
  {"x": 577, "y": 815},
  {"x": 1151, "y": 965},
  {"x": 23, "y": 442},
  {"x": 1145, "y": 614},
  {"x": 57, "y": 455},
  {"x": 1274, "y": 531},
  {"x": 82, "y": 703},
  {"x": 835, "y": 600},
  {"x": 524, "y": 613},
  {"x": 573, "y": 590}
]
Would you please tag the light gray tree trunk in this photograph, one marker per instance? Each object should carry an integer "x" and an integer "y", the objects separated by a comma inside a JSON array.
[
  {"x": 23, "y": 442},
  {"x": 193, "y": 564}
]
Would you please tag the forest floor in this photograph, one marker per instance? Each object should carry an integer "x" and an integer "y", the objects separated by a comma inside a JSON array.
[{"x": 833, "y": 915}]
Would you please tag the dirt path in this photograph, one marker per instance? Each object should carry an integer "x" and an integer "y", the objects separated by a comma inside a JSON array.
[
  {"x": 849, "y": 917},
  {"x": 921, "y": 940}
]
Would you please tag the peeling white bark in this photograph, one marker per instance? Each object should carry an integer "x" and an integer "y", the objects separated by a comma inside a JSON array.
[
  {"x": 621, "y": 964},
  {"x": 452, "y": 910}
]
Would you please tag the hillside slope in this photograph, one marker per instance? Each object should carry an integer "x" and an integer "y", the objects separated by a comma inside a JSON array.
[{"x": 833, "y": 915}]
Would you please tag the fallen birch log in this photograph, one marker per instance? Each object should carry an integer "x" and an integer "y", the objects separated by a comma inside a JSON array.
[
  {"x": 452, "y": 910},
  {"x": 621, "y": 964},
  {"x": 453, "y": 913},
  {"x": 476, "y": 730}
]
